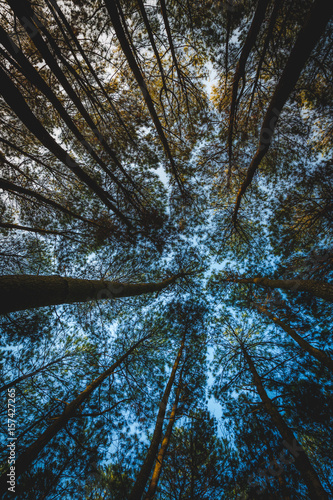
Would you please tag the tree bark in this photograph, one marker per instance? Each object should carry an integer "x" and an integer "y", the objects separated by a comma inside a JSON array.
[
  {"x": 26, "y": 459},
  {"x": 307, "y": 39},
  {"x": 317, "y": 288},
  {"x": 302, "y": 462},
  {"x": 18, "y": 292},
  {"x": 164, "y": 446},
  {"x": 321, "y": 356},
  {"x": 143, "y": 476}
]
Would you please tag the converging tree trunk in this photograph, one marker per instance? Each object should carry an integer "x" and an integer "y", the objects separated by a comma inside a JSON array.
[
  {"x": 147, "y": 466},
  {"x": 240, "y": 68},
  {"x": 18, "y": 292},
  {"x": 28, "y": 70},
  {"x": 116, "y": 21},
  {"x": 310, "y": 34},
  {"x": 164, "y": 446},
  {"x": 302, "y": 462},
  {"x": 17, "y": 103},
  {"x": 313, "y": 351},
  {"x": 26, "y": 459}
]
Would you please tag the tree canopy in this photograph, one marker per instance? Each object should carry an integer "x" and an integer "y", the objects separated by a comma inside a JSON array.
[{"x": 166, "y": 213}]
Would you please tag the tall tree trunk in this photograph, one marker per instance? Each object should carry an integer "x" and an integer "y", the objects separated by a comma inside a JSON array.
[
  {"x": 116, "y": 22},
  {"x": 313, "y": 351},
  {"x": 26, "y": 459},
  {"x": 168, "y": 31},
  {"x": 57, "y": 10},
  {"x": 317, "y": 288},
  {"x": 164, "y": 446},
  {"x": 27, "y": 69},
  {"x": 143, "y": 476},
  {"x": 29, "y": 20},
  {"x": 314, "y": 27},
  {"x": 18, "y": 292},
  {"x": 302, "y": 462},
  {"x": 252, "y": 34},
  {"x": 16, "y": 102},
  {"x": 271, "y": 26},
  {"x": 13, "y": 188}
]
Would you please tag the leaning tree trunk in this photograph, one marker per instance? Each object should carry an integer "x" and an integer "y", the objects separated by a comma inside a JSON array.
[
  {"x": 253, "y": 32},
  {"x": 310, "y": 34},
  {"x": 317, "y": 288},
  {"x": 147, "y": 466},
  {"x": 19, "y": 292},
  {"x": 164, "y": 446},
  {"x": 113, "y": 10},
  {"x": 316, "y": 353},
  {"x": 302, "y": 462},
  {"x": 25, "y": 460}
]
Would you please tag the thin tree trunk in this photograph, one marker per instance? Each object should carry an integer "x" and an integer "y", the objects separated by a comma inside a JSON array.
[
  {"x": 8, "y": 225},
  {"x": 26, "y": 459},
  {"x": 116, "y": 22},
  {"x": 309, "y": 36},
  {"x": 321, "y": 356},
  {"x": 57, "y": 9},
  {"x": 33, "y": 76},
  {"x": 13, "y": 188},
  {"x": 30, "y": 22},
  {"x": 152, "y": 41},
  {"x": 18, "y": 292},
  {"x": 302, "y": 462},
  {"x": 16, "y": 102},
  {"x": 271, "y": 26},
  {"x": 253, "y": 32},
  {"x": 143, "y": 476},
  {"x": 168, "y": 31},
  {"x": 317, "y": 288},
  {"x": 164, "y": 446}
]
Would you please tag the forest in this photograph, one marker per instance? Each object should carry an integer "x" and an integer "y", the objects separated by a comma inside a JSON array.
[{"x": 166, "y": 258}]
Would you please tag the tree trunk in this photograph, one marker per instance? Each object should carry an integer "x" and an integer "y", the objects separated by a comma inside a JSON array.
[
  {"x": 26, "y": 459},
  {"x": 309, "y": 36},
  {"x": 253, "y": 32},
  {"x": 164, "y": 446},
  {"x": 18, "y": 292},
  {"x": 37, "y": 230},
  {"x": 143, "y": 476},
  {"x": 317, "y": 288},
  {"x": 13, "y": 188},
  {"x": 16, "y": 102},
  {"x": 116, "y": 22},
  {"x": 316, "y": 353},
  {"x": 302, "y": 462},
  {"x": 58, "y": 11},
  {"x": 27, "y": 69},
  {"x": 29, "y": 20}
]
